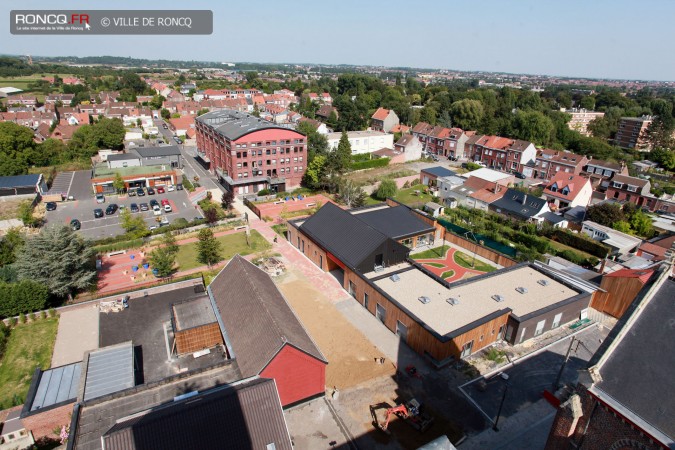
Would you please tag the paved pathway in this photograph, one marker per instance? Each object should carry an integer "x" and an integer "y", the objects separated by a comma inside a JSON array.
[{"x": 78, "y": 332}]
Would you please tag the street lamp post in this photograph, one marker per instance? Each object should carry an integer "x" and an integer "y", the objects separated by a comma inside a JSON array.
[{"x": 504, "y": 377}]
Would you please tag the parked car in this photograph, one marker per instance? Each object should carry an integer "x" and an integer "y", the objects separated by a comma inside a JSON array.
[
  {"x": 131, "y": 192},
  {"x": 171, "y": 188},
  {"x": 165, "y": 201},
  {"x": 156, "y": 210},
  {"x": 519, "y": 175},
  {"x": 165, "y": 126},
  {"x": 154, "y": 203},
  {"x": 100, "y": 198},
  {"x": 134, "y": 208},
  {"x": 98, "y": 212},
  {"x": 179, "y": 187},
  {"x": 151, "y": 191},
  {"x": 75, "y": 224},
  {"x": 111, "y": 209},
  {"x": 177, "y": 139},
  {"x": 140, "y": 192},
  {"x": 167, "y": 208},
  {"x": 164, "y": 222},
  {"x": 144, "y": 206},
  {"x": 51, "y": 206},
  {"x": 160, "y": 190}
]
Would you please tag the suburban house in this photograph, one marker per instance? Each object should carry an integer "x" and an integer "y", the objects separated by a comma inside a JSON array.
[
  {"x": 250, "y": 154},
  {"x": 383, "y": 120},
  {"x": 620, "y": 243},
  {"x": 565, "y": 190},
  {"x": 632, "y": 133},
  {"x": 504, "y": 154},
  {"x": 622, "y": 400},
  {"x": 520, "y": 206},
  {"x": 22, "y": 185},
  {"x": 478, "y": 193},
  {"x": 655, "y": 249},
  {"x": 13, "y": 433},
  {"x": 445, "y": 187},
  {"x": 448, "y": 142},
  {"x": 395, "y": 156},
  {"x": 580, "y": 118},
  {"x": 184, "y": 126},
  {"x": 409, "y": 146},
  {"x": 320, "y": 127},
  {"x": 363, "y": 141},
  {"x": 623, "y": 188},
  {"x": 429, "y": 175},
  {"x": 550, "y": 162},
  {"x": 324, "y": 112},
  {"x": 64, "y": 133},
  {"x": 600, "y": 172},
  {"x": 65, "y": 99},
  {"x": 265, "y": 334},
  {"x": 490, "y": 175}
]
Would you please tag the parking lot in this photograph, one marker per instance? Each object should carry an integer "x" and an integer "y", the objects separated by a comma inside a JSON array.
[{"x": 82, "y": 209}]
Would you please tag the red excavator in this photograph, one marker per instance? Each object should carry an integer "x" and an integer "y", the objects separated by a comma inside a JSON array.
[{"x": 412, "y": 414}]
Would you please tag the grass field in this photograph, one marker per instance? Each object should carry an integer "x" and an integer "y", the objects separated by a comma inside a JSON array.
[
  {"x": 231, "y": 244},
  {"x": 29, "y": 346},
  {"x": 439, "y": 265},
  {"x": 465, "y": 260},
  {"x": 372, "y": 176},
  {"x": 447, "y": 274},
  {"x": 409, "y": 197},
  {"x": 560, "y": 247},
  {"x": 437, "y": 252}
]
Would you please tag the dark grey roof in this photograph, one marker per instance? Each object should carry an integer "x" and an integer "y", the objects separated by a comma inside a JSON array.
[
  {"x": 19, "y": 181},
  {"x": 164, "y": 150},
  {"x": 553, "y": 217},
  {"x": 256, "y": 319},
  {"x": 395, "y": 222},
  {"x": 122, "y": 157},
  {"x": 343, "y": 234},
  {"x": 639, "y": 371},
  {"x": 512, "y": 202},
  {"x": 246, "y": 415},
  {"x": 439, "y": 171},
  {"x": 234, "y": 124},
  {"x": 576, "y": 213},
  {"x": 56, "y": 385},
  {"x": 110, "y": 369}
]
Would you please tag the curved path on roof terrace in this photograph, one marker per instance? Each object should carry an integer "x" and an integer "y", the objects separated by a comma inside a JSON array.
[{"x": 449, "y": 264}]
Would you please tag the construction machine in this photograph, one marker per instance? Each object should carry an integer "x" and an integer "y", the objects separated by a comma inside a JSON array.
[{"x": 411, "y": 412}]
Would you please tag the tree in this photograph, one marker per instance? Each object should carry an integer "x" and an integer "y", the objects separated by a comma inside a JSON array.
[
  {"x": 341, "y": 157},
  {"x": 169, "y": 242},
  {"x": 10, "y": 245},
  {"x": 58, "y": 259},
  {"x": 156, "y": 102},
  {"x": 587, "y": 102},
  {"x": 22, "y": 297},
  {"x": 210, "y": 214},
  {"x": 533, "y": 126},
  {"x": 317, "y": 143},
  {"x": 622, "y": 226},
  {"x": 315, "y": 173},
  {"x": 165, "y": 114},
  {"x": 605, "y": 214},
  {"x": 208, "y": 248},
  {"x": 26, "y": 213},
  {"x": 641, "y": 224},
  {"x": 351, "y": 195},
  {"x": 386, "y": 189},
  {"x": 162, "y": 260},
  {"x": 118, "y": 183},
  {"x": 227, "y": 200},
  {"x": 467, "y": 114},
  {"x": 134, "y": 225}
]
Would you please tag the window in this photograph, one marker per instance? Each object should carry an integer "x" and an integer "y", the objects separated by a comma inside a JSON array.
[
  {"x": 466, "y": 349},
  {"x": 500, "y": 335},
  {"x": 365, "y": 300},
  {"x": 352, "y": 289},
  {"x": 540, "y": 327},
  {"x": 631, "y": 188},
  {"x": 481, "y": 338},
  {"x": 556, "y": 321},
  {"x": 380, "y": 313}
]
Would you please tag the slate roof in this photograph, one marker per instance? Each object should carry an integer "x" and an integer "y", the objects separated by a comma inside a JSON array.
[
  {"x": 637, "y": 374},
  {"x": 512, "y": 202},
  {"x": 246, "y": 415},
  {"x": 439, "y": 171},
  {"x": 164, "y": 150},
  {"x": 18, "y": 181},
  {"x": 122, "y": 157},
  {"x": 255, "y": 318},
  {"x": 234, "y": 124},
  {"x": 395, "y": 222}
]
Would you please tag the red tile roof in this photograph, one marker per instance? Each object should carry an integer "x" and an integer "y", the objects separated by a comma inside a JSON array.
[
  {"x": 496, "y": 142},
  {"x": 643, "y": 275},
  {"x": 574, "y": 184},
  {"x": 380, "y": 114}
]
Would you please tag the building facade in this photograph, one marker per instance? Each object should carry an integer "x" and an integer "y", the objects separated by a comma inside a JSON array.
[
  {"x": 384, "y": 120},
  {"x": 363, "y": 141},
  {"x": 632, "y": 133},
  {"x": 580, "y": 118}
]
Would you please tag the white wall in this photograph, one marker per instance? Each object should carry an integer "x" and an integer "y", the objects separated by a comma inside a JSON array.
[{"x": 363, "y": 142}]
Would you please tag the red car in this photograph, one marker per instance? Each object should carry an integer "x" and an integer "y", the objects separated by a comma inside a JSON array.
[
  {"x": 165, "y": 202},
  {"x": 160, "y": 190}
]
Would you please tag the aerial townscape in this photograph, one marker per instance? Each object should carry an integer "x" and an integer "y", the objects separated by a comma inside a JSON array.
[{"x": 199, "y": 254}]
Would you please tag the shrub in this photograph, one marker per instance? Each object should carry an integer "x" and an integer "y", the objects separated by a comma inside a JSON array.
[
  {"x": 187, "y": 184},
  {"x": 387, "y": 188},
  {"x": 22, "y": 297},
  {"x": 12, "y": 321},
  {"x": 581, "y": 243},
  {"x": 415, "y": 182},
  {"x": 52, "y": 312},
  {"x": 406, "y": 185},
  {"x": 22, "y": 318},
  {"x": 43, "y": 314},
  {"x": 263, "y": 192},
  {"x": 495, "y": 355},
  {"x": 31, "y": 316},
  {"x": 370, "y": 164}
]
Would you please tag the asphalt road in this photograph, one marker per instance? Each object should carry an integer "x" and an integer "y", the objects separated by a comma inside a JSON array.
[
  {"x": 106, "y": 226},
  {"x": 529, "y": 378}
]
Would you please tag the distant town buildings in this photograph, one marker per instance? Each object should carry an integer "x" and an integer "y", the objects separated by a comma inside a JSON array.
[{"x": 580, "y": 118}]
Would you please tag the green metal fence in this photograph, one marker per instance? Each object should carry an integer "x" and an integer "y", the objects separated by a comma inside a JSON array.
[{"x": 478, "y": 238}]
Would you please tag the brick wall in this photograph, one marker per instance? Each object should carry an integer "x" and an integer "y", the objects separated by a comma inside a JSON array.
[
  {"x": 43, "y": 424},
  {"x": 606, "y": 430}
]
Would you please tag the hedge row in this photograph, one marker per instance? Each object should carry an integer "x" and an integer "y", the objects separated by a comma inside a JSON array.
[
  {"x": 380, "y": 162},
  {"x": 581, "y": 243},
  {"x": 23, "y": 297}
]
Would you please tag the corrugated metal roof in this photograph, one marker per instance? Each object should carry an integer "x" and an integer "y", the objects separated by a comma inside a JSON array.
[
  {"x": 257, "y": 319},
  {"x": 246, "y": 415},
  {"x": 57, "y": 385},
  {"x": 110, "y": 369}
]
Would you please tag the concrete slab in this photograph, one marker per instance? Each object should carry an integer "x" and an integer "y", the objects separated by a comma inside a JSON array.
[
  {"x": 322, "y": 431},
  {"x": 78, "y": 333}
]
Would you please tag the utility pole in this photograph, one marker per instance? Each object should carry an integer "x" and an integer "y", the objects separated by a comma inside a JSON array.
[
  {"x": 562, "y": 368},
  {"x": 505, "y": 377}
]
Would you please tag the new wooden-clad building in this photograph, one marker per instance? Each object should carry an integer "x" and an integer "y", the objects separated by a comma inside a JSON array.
[{"x": 619, "y": 289}]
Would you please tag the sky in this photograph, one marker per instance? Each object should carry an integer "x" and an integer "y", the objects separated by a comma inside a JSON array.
[{"x": 579, "y": 38}]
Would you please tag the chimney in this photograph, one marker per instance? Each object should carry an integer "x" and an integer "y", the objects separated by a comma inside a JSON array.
[
  {"x": 496, "y": 187},
  {"x": 524, "y": 199}
]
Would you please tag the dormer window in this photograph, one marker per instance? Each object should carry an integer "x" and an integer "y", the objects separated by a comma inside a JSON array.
[
  {"x": 631, "y": 188},
  {"x": 616, "y": 184}
]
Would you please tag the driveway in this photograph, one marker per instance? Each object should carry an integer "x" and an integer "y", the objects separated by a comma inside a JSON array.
[{"x": 92, "y": 228}]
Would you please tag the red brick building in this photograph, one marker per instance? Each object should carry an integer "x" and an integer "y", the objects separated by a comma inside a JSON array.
[
  {"x": 250, "y": 154},
  {"x": 502, "y": 153},
  {"x": 631, "y": 189},
  {"x": 550, "y": 162},
  {"x": 449, "y": 142}
]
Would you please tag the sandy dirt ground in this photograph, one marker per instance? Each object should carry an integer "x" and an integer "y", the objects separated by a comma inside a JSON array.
[
  {"x": 351, "y": 357},
  {"x": 78, "y": 333}
]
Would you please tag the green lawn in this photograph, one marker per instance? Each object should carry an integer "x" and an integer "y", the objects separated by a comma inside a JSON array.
[
  {"x": 438, "y": 252},
  {"x": 408, "y": 196},
  {"x": 29, "y": 346},
  {"x": 439, "y": 265},
  {"x": 372, "y": 201},
  {"x": 447, "y": 274},
  {"x": 231, "y": 244},
  {"x": 465, "y": 260},
  {"x": 560, "y": 247}
]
